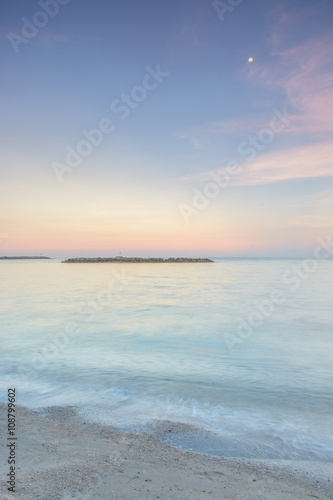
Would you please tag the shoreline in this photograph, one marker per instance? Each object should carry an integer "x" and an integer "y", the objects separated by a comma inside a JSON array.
[
  {"x": 63, "y": 455},
  {"x": 24, "y": 258}
]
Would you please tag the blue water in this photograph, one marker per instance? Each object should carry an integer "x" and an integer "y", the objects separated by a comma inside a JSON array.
[{"x": 137, "y": 345}]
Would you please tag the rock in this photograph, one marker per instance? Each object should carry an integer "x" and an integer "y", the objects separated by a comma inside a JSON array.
[{"x": 80, "y": 260}]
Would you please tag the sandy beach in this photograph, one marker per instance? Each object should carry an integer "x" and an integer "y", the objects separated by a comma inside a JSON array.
[{"x": 60, "y": 455}]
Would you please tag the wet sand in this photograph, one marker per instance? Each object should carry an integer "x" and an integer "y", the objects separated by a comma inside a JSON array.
[{"x": 62, "y": 456}]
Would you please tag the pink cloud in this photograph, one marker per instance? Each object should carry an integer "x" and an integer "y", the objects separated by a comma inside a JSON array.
[
  {"x": 202, "y": 136},
  {"x": 296, "y": 163},
  {"x": 305, "y": 74}
]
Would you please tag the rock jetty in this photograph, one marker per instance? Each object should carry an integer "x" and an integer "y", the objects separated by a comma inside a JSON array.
[{"x": 140, "y": 260}]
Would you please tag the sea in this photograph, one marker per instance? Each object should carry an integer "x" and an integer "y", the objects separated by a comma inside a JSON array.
[{"x": 232, "y": 358}]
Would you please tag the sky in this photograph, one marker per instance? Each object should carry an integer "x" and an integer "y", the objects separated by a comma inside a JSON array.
[{"x": 187, "y": 127}]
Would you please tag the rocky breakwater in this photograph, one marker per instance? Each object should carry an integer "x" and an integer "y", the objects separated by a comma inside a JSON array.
[{"x": 94, "y": 260}]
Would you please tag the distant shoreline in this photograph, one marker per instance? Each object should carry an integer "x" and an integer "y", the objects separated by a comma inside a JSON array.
[
  {"x": 93, "y": 260},
  {"x": 18, "y": 258}
]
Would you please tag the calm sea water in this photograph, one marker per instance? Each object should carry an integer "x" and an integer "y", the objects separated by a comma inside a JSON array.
[{"x": 137, "y": 345}]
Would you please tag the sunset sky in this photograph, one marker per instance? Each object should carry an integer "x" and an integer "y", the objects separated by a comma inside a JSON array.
[{"x": 142, "y": 127}]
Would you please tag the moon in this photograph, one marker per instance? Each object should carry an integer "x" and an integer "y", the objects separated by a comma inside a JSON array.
[{"x": 250, "y": 59}]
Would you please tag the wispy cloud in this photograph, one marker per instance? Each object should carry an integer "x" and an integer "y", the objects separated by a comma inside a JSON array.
[
  {"x": 203, "y": 136},
  {"x": 311, "y": 221},
  {"x": 297, "y": 163},
  {"x": 304, "y": 73},
  {"x": 324, "y": 198}
]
